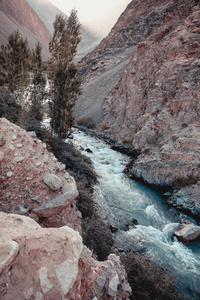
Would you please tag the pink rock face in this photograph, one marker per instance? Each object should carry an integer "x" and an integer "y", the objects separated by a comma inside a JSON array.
[
  {"x": 43, "y": 263},
  {"x": 33, "y": 182},
  {"x": 187, "y": 233},
  {"x": 52, "y": 263}
]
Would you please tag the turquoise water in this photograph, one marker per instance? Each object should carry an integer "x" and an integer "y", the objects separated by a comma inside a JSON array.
[{"x": 119, "y": 199}]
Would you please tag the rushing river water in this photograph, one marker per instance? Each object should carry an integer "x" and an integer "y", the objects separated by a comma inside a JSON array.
[{"x": 119, "y": 199}]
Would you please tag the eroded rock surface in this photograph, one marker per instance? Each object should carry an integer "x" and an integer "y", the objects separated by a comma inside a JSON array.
[
  {"x": 33, "y": 182},
  {"x": 187, "y": 199},
  {"x": 43, "y": 263},
  {"x": 155, "y": 105},
  {"x": 52, "y": 263}
]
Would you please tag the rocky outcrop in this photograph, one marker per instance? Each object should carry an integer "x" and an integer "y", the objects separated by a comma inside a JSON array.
[
  {"x": 52, "y": 263},
  {"x": 187, "y": 233},
  {"x": 187, "y": 199},
  {"x": 24, "y": 15},
  {"x": 33, "y": 182},
  {"x": 40, "y": 263}
]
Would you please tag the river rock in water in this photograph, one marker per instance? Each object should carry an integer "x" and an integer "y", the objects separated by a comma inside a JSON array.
[{"x": 187, "y": 233}]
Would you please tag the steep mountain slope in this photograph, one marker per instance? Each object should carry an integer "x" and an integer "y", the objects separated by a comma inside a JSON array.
[
  {"x": 154, "y": 106},
  {"x": 106, "y": 63},
  {"x": 20, "y": 11},
  {"x": 47, "y": 13},
  {"x": 18, "y": 15}
]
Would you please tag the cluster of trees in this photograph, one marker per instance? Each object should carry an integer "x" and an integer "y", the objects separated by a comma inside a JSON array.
[{"x": 27, "y": 75}]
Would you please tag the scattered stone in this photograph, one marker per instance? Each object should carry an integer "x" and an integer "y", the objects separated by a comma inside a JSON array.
[
  {"x": 19, "y": 158},
  {"x": 2, "y": 141},
  {"x": 19, "y": 145},
  {"x": 22, "y": 210},
  {"x": 9, "y": 174},
  {"x": 101, "y": 281},
  {"x": 53, "y": 181},
  {"x": 56, "y": 204},
  {"x": 114, "y": 228},
  {"x": 46, "y": 158},
  {"x": 14, "y": 136},
  {"x": 88, "y": 150},
  {"x": 1, "y": 156},
  {"x": 113, "y": 286},
  {"x": 32, "y": 134}
]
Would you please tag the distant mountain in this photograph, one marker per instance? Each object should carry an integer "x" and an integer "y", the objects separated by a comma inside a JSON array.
[
  {"x": 18, "y": 14},
  {"x": 47, "y": 13}
]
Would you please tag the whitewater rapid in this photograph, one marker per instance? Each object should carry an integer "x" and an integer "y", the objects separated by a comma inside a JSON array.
[{"x": 120, "y": 199}]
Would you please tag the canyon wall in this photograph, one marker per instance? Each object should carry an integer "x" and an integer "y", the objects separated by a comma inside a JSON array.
[{"x": 155, "y": 105}]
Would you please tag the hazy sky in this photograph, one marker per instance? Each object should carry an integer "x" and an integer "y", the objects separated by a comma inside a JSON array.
[{"x": 88, "y": 10}]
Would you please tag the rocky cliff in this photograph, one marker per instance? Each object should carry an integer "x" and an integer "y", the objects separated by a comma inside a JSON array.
[
  {"x": 154, "y": 106},
  {"x": 38, "y": 262},
  {"x": 156, "y": 102}
]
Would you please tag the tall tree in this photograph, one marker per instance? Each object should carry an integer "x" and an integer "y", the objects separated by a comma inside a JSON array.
[
  {"x": 18, "y": 55},
  {"x": 38, "y": 92},
  {"x": 65, "y": 85},
  {"x": 17, "y": 60}
]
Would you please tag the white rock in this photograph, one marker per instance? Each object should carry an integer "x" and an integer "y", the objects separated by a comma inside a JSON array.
[
  {"x": 187, "y": 233},
  {"x": 9, "y": 174},
  {"x": 53, "y": 181},
  {"x": 113, "y": 284},
  {"x": 19, "y": 158},
  {"x": 8, "y": 253}
]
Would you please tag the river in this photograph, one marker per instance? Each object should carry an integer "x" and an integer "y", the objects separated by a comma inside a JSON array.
[{"x": 119, "y": 199}]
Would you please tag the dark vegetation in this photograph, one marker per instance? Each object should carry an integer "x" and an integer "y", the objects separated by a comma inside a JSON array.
[{"x": 147, "y": 280}]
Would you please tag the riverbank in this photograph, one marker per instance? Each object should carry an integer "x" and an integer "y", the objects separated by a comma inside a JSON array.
[{"x": 182, "y": 194}]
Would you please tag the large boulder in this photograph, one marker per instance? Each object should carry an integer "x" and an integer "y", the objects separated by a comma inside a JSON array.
[
  {"x": 187, "y": 233},
  {"x": 43, "y": 263},
  {"x": 52, "y": 263}
]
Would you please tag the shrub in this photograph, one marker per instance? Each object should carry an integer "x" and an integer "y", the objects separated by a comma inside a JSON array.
[
  {"x": 85, "y": 202},
  {"x": 104, "y": 126},
  {"x": 182, "y": 182},
  {"x": 2, "y": 81},
  {"x": 86, "y": 121},
  {"x": 147, "y": 280},
  {"x": 97, "y": 237}
]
